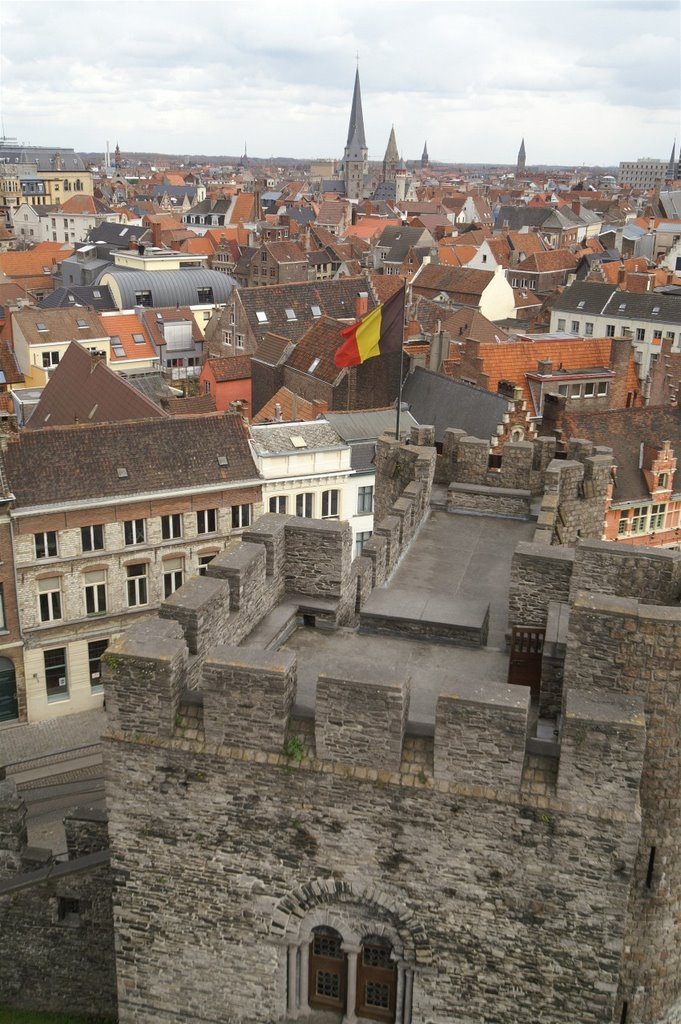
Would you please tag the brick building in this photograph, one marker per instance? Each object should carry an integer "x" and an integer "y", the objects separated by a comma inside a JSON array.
[{"x": 107, "y": 519}]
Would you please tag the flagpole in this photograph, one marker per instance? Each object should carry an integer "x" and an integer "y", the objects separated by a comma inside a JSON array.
[{"x": 399, "y": 394}]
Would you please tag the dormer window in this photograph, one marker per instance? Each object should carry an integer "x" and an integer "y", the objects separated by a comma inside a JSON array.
[{"x": 662, "y": 481}]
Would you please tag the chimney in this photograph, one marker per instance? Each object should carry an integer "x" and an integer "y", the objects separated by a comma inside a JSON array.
[
  {"x": 544, "y": 366},
  {"x": 621, "y": 275},
  {"x": 96, "y": 356},
  {"x": 576, "y": 206},
  {"x": 277, "y": 412},
  {"x": 156, "y": 234},
  {"x": 361, "y": 305}
]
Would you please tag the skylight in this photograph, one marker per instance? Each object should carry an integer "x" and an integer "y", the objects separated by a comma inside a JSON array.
[
  {"x": 97, "y": 294},
  {"x": 46, "y": 270},
  {"x": 314, "y": 364},
  {"x": 316, "y": 311},
  {"x": 580, "y": 305},
  {"x": 656, "y": 309},
  {"x": 122, "y": 473},
  {"x": 82, "y": 324},
  {"x": 41, "y": 327},
  {"x": 298, "y": 441},
  {"x": 622, "y": 306},
  {"x": 261, "y": 316},
  {"x": 138, "y": 339},
  {"x": 291, "y": 314},
  {"x": 223, "y": 460}
]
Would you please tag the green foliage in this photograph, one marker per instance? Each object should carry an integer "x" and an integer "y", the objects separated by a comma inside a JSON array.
[{"x": 294, "y": 748}]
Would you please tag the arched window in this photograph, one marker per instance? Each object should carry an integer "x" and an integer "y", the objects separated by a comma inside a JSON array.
[
  {"x": 376, "y": 980},
  {"x": 328, "y": 970},
  {"x": 8, "y": 691}
]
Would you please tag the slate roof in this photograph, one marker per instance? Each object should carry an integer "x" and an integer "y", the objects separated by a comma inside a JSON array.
[
  {"x": 368, "y": 424},
  {"x": 80, "y": 463},
  {"x": 118, "y": 236},
  {"x": 276, "y": 439},
  {"x": 314, "y": 353},
  {"x": 605, "y": 300},
  {"x": 439, "y": 401},
  {"x": 362, "y": 456},
  {"x": 97, "y": 297},
  {"x": 546, "y": 262},
  {"x": 399, "y": 240},
  {"x": 336, "y": 299},
  {"x": 80, "y": 391},
  {"x": 624, "y": 430}
]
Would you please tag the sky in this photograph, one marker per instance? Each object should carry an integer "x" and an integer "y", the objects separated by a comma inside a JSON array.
[{"x": 590, "y": 82}]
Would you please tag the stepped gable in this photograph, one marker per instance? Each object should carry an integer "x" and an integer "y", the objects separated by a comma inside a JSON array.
[{"x": 117, "y": 459}]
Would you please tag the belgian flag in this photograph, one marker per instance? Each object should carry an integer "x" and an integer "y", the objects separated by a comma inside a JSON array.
[{"x": 379, "y": 332}]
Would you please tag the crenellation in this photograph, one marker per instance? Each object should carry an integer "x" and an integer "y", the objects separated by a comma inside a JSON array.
[
  {"x": 202, "y": 609},
  {"x": 480, "y": 734},
  {"x": 361, "y": 722},
  {"x": 144, "y": 675}
]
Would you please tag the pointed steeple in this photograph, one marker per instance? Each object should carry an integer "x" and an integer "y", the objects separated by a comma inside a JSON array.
[
  {"x": 425, "y": 160},
  {"x": 520, "y": 166},
  {"x": 356, "y": 126},
  {"x": 356, "y": 155},
  {"x": 670, "y": 173},
  {"x": 391, "y": 158}
]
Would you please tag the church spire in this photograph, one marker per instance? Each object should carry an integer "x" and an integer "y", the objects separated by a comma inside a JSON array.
[
  {"x": 391, "y": 158},
  {"x": 424, "y": 156},
  {"x": 520, "y": 166},
  {"x": 356, "y": 126},
  {"x": 671, "y": 166}
]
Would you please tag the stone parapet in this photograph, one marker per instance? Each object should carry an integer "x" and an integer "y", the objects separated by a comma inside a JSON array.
[
  {"x": 480, "y": 734},
  {"x": 202, "y": 608},
  {"x": 489, "y": 501},
  {"x": 362, "y": 722},
  {"x": 539, "y": 574}
]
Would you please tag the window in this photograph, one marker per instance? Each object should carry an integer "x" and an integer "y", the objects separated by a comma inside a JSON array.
[
  {"x": 133, "y": 531},
  {"x": 172, "y": 576},
  {"x": 95, "y": 650},
  {"x": 602, "y": 388},
  {"x": 640, "y": 334},
  {"x": 622, "y": 525},
  {"x": 239, "y": 340},
  {"x": 241, "y": 516},
  {"x": 563, "y": 390},
  {"x": 610, "y": 330},
  {"x": 50, "y": 359},
  {"x": 360, "y": 541},
  {"x": 575, "y": 391},
  {"x": 588, "y": 329},
  {"x": 49, "y": 599},
  {"x": 45, "y": 544},
  {"x": 138, "y": 339},
  {"x": 589, "y": 389},
  {"x": 68, "y": 910},
  {"x": 657, "y": 514},
  {"x": 304, "y": 505},
  {"x": 143, "y": 299},
  {"x": 95, "y": 592},
  {"x": 575, "y": 327},
  {"x": 279, "y": 503},
  {"x": 206, "y": 387},
  {"x": 92, "y": 538},
  {"x": 365, "y": 499},
  {"x": 561, "y": 325},
  {"x": 206, "y": 520},
  {"x": 662, "y": 481},
  {"x": 638, "y": 519},
  {"x": 657, "y": 336},
  {"x": 204, "y": 295},
  {"x": 330, "y": 504},
  {"x": 171, "y": 526},
  {"x": 56, "y": 678},
  {"x": 3, "y": 621},
  {"x": 138, "y": 593},
  {"x": 204, "y": 560},
  {"x": 261, "y": 316}
]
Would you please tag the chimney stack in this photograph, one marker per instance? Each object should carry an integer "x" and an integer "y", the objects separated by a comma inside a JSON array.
[
  {"x": 361, "y": 305},
  {"x": 277, "y": 412}
]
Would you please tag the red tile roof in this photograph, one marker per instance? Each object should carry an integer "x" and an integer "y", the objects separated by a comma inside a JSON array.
[
  {"x": 293, "y": 407},
  {"x": 230, "y": 368},
  {"x": 124, "y": 326}
]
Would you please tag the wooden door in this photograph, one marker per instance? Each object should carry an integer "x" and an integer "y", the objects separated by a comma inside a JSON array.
[
  {"x": 328, "y": 970},
  {"x": 8, "y": 691},
  {"x": 376, "y": 982},
  {"x": 524, "y": 667}
]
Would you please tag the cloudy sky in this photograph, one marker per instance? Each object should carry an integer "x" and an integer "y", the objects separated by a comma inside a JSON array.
[{"x": 593, "y": 81}]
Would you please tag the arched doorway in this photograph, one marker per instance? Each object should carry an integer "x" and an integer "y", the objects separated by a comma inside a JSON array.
[{"x": 8, "y": 691}]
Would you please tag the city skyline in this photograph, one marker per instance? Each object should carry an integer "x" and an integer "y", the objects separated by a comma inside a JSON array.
[{"x": 471, "y": 79}]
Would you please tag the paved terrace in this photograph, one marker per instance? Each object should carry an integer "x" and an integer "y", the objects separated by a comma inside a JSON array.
[{"x": 459, "y": 558}]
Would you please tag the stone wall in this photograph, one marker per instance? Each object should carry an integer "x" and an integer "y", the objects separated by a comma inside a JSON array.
[
  {"x": 652, "y": 575},
  {"x": 539, "y": 575},
  {"x": 56, "y": 922},
  {"x": 478, "y": 876},
  {"x": 489, "y": 501}
]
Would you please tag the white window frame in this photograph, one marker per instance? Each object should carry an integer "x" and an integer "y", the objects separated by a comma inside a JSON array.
[
  {"x": 305, "y": 505},
  {"x": 173, "y": 575},
  {"x": 132, "y": 528},
  {"x": 241, "y": 516},
  {"x": 171, "y": 526},
  {"x": 42, "y": 546},
  {"x": 278, "y": 503},
  {"x": 364, "y": 492},
  {"x": 90, "y": 535},
  {"x": 207, "y": 520},
  {"x": 50, "y": 599},
  {"x": 137, "y": 585},
  {"x": 95, "y": 592}
]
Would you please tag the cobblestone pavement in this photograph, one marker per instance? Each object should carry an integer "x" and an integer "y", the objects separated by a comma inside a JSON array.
[{"x": 43, "y": 739}]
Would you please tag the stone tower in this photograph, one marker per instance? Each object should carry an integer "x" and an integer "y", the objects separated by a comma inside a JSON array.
[
  {"x": 520, "y": 165},
  {"x": 400, "y": 181},
  {"x": 356, "y": 155},
  {"x": 425, "y": 160},
  {"x": 392, "y": 157}
]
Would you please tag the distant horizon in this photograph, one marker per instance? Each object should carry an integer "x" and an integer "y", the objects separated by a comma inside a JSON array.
[{"x": 469, "y": 77}]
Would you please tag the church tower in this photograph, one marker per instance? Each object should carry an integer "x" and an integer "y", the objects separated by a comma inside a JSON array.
[
  {"x": 392, "y": 157},
  {"x": 425, "y": 161},
  {"x": 356, "y": 155},
  {"x": 520, "y": 166},
  {"x": 670, "y": 173}
]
